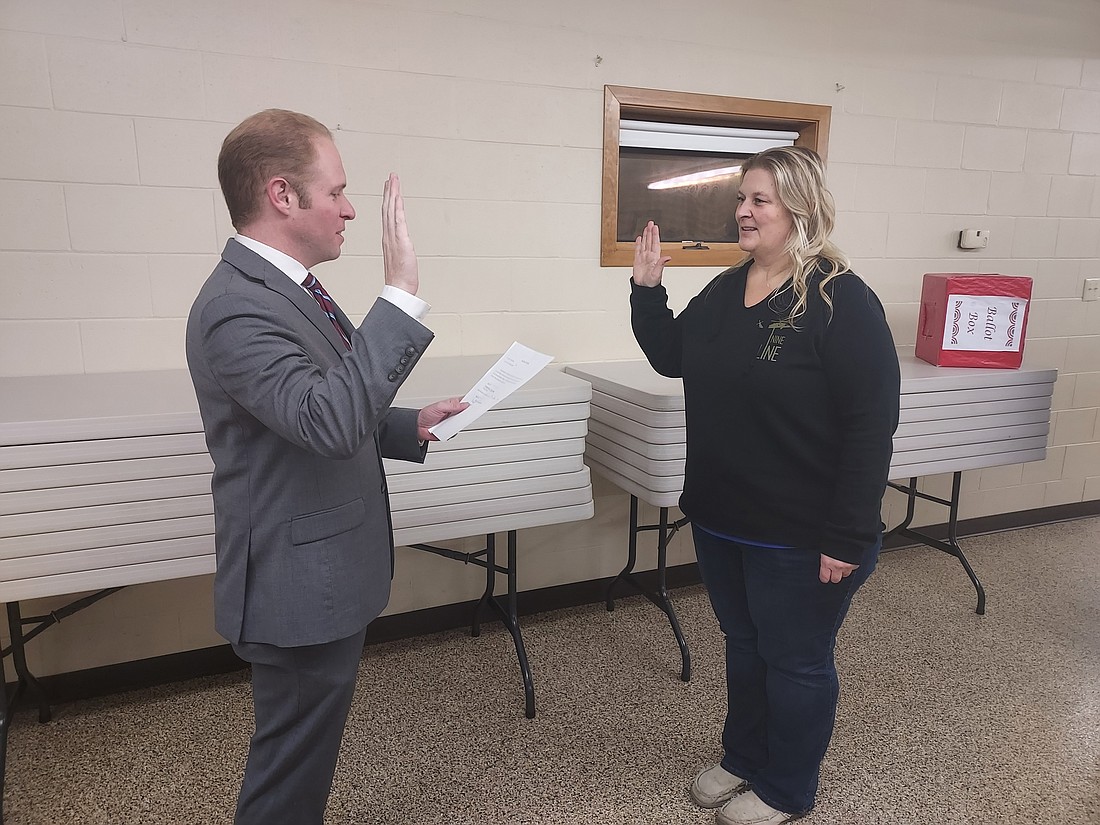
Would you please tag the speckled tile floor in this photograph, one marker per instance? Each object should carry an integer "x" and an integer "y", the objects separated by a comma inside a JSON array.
[{"x": 946, "y": 717}]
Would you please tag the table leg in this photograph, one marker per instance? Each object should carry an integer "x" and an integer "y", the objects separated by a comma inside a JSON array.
[
  {"x": 665, "y": 531},
  {"x": 951, "y": 546},
  {"x": 509, "y": 615},
  {"x": 490, "y": 582},
  {"x": 510, "y": 618},
  {"x": 26, "y": 679},
  {"x": 631, "y": 553},
  {"x": 662, "y": 600}
]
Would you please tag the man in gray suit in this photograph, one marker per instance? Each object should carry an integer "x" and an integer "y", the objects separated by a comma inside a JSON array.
[{"x": 295, "y": 402}]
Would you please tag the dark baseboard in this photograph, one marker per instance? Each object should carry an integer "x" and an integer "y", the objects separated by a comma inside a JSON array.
[
  {"x": 175, "y": 667},
  {"x": 1006, "y": 521},
  {"x": 144, "y": 673}
]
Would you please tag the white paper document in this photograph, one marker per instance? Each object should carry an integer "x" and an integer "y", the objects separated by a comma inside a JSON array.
[{"x": 511, "y": 371}]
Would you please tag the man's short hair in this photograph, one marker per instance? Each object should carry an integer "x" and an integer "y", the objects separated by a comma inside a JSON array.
[{"x": 271, "y": 143}]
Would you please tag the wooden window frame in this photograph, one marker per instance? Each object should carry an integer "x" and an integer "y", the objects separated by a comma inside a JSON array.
[{"x": 624, "y": 102}]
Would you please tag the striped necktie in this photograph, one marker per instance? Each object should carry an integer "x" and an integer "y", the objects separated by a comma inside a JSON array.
[{"x": 314, "y": 288}]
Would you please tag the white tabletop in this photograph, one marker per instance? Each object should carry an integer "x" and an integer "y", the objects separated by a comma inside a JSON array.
[{"x": 636, "y": 381}]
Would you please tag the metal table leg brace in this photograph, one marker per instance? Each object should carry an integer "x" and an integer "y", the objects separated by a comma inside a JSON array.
[
  {"x": 660, "y": 598},
  {"x": 507, "y": 614},
  {"x": 25, "y": 680},
  {"x": 951, "y": 546}
]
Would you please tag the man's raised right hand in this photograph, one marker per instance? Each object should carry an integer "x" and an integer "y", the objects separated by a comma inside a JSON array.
[{"x": 398, "y": 255}]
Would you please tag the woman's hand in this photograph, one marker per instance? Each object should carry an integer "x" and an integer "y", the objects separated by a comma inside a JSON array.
[
  {"x": 834, "y": 570},
  {"x": 649, "y": 265}
]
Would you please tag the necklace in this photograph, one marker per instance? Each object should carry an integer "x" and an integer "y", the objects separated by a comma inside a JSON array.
[{"x": 780, "y": 275}]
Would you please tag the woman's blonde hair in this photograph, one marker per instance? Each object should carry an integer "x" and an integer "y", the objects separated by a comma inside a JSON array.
[{"x": 799, "y": 175}]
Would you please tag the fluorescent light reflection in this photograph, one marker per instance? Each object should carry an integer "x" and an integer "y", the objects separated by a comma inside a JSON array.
[{"x": 696, "y": 177}]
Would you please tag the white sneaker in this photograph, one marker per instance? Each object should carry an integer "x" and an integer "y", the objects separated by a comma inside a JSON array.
[
  {"x": 750, "y": 809},
  {"x": 715, "y": 786}
]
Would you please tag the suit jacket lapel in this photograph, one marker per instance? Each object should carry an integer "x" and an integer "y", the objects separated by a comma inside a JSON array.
[{"x": 254, "y": 266}]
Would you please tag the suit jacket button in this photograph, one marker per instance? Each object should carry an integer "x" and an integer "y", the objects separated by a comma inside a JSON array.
[
  {"x": 410, "y": 351},
  {"x": 404, "y": 359},
  {"x": 399, "y": 370},
  {"x": 392, "y": 376}
]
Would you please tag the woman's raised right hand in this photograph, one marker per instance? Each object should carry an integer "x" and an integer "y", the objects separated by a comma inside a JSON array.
[{"x": 649, "y": 264}]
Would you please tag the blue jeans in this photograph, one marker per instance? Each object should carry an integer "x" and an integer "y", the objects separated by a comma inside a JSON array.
[{"x": 780, "y": 624}]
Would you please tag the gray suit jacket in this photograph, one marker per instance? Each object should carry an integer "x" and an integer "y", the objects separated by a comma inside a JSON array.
[{"x": 297, "y": 427}]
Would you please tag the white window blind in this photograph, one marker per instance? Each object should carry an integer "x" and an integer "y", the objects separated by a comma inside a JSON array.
[{"x": 689, "y": 137}]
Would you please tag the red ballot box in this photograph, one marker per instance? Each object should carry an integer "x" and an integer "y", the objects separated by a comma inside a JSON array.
[{"x": 973, "y": 320}]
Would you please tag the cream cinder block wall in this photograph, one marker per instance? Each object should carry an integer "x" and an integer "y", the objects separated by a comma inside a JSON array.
[{"x": 945, "y": 115}]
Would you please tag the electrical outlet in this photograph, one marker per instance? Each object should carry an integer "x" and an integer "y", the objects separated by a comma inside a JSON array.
[{"x": 1091, "y": 292}]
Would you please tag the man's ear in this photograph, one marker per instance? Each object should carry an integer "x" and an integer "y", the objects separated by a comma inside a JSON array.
[{"x": 280, "y": 194}]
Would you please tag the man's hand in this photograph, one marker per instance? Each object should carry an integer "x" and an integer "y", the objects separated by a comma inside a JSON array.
[
  {"x": 398, "y": 255},
  {"x": 434, "y": 413},
  {"x": 649, "y": 264},
  {"x": 834, "y": 570}
]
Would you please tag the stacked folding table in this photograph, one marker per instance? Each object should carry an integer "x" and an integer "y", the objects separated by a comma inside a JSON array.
[
  {"x": 636, "y": 439},
  {"x": 105, "y": 482},
  {"x": 952, "y": 419},
  {"x": 519, "y": 465}
]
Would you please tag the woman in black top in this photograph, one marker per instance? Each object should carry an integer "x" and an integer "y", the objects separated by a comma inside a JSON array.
[{"x": 791, "y": 388}]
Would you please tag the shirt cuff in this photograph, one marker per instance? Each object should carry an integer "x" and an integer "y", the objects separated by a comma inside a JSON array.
[{"x": 406, "y": 302}]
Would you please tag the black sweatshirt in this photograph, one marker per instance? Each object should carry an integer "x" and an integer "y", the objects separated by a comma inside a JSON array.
[{"x": 789, "y": 430}]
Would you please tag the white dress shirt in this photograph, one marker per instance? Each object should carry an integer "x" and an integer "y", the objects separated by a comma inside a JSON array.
[{"x": 405, "y": 301}]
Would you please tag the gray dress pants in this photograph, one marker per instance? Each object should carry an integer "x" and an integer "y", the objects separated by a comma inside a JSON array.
[{"x": 301, "y": 697}]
